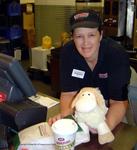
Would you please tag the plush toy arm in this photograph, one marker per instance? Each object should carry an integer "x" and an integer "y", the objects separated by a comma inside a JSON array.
[
  {"x": 103, "y": 128},
  {"x": 78, "y": 118},
  {"x": 105, "y": 109}
]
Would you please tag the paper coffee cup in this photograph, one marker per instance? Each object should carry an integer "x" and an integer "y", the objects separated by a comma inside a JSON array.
[{"x": 64, "y": 134}]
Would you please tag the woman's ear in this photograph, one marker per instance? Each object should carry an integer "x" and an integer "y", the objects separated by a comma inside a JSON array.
[{"x": 101, "y": 35}]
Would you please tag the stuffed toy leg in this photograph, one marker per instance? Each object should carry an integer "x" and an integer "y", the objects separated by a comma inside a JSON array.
[{"x": 104, "y": 133}]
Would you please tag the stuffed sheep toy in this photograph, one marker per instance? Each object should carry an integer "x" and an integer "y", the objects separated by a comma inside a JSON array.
[{"x": 90, "y": 108}]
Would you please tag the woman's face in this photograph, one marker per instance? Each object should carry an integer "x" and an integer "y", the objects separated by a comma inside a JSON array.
[{"x": 87, "y": 42}]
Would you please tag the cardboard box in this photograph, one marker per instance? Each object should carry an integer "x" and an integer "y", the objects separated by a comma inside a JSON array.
[
  {"x": 29, "y": 37},
  {"x": 28, "y": 20}
]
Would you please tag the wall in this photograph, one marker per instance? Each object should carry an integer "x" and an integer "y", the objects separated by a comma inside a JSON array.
[
  {"x": 26, "y": 1},
  {"x": 55, "y": 2},
  {"x": 52, "y": 17}
]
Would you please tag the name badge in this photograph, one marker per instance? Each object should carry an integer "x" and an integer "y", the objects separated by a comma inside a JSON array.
[{"x": 78, "y": 73}]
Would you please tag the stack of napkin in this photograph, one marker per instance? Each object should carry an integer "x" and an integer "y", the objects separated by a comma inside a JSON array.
[{"x": 40, "y": 136}]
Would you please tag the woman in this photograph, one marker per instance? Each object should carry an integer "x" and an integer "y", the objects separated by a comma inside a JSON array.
[{"x": 91, "y": 60}]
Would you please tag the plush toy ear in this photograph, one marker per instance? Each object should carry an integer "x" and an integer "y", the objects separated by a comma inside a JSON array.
[
  {"x": 100, "y": 99},
  {"x": 75, "y": 100},
  {"x": 78, "y": 96}
]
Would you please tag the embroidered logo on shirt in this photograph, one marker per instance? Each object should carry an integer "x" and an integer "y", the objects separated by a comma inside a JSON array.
[
  {"x": 103, "y": 75},
  {"x": 78, "y": 73}
]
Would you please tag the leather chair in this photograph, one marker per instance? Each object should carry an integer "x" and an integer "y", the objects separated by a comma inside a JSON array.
[
  {"x": 54, "y": 70},
  {"x": 132, "y": 95},
  {"x": 133, "y": 101}
]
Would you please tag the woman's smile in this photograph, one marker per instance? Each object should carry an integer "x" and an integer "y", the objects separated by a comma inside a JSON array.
[{"x": 87, "y": 41}]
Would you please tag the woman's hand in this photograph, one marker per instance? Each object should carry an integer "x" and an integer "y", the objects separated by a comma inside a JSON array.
[
  {"x": 54, "y": 119},
  {"x": 59, "y": 116},
  {"x": 66, "y": 99}
]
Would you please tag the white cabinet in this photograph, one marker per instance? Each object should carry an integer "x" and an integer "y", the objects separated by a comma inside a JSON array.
[{"x": 39, "y": 58}]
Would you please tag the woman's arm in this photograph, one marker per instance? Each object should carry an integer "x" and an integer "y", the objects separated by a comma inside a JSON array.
[
  {"x": 116, "y": 113},
  {"x": 65, "y": 106},
  {"x": 66, "y": 99}
]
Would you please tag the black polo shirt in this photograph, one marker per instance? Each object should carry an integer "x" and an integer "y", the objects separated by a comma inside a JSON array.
[{"x": 111, "y": 73}]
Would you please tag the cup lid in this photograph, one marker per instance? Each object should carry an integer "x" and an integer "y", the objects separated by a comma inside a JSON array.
[{"x": 64, "y": 126}]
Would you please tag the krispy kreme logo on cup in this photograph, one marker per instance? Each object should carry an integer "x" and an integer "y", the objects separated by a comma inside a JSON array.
[
  {"x": 66, "y": 145},
  {"x": 63, "y": 142},
  {"x": 61, "y": 139}
]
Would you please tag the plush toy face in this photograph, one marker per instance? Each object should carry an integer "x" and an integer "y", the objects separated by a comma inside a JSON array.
[
  {"x": 87, "y": 99},
  {"x": 86, "y": 102}
]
